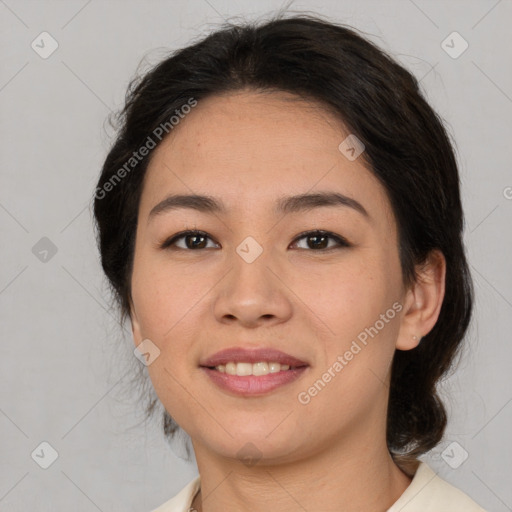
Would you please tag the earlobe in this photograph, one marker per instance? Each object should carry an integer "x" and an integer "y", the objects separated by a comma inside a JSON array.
[{"x": 423, "y": 301}]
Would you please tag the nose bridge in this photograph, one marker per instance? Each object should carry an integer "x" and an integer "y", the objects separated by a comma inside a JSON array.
[
  {"x": 250, "y": 263},
  {"x": 251, "y": 291}
]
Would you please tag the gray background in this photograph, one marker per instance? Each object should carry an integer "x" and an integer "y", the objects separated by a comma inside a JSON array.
[{"x": 65, "y": 367}]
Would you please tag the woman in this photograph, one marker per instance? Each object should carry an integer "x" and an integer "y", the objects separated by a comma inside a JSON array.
[{"x": 280, "y": 219}]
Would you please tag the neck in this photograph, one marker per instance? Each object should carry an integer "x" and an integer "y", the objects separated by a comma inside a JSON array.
[{"x": 343, "y": 476}]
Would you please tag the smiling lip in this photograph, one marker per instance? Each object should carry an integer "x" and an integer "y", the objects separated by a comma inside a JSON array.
[
  {"x": 243, "y": 355},
  {"x": 252, "y": 385}
]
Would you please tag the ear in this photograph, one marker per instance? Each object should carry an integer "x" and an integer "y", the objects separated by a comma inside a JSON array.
[
  {"x": 136, "y": 330},
  {"x": 423, "y": 301}
]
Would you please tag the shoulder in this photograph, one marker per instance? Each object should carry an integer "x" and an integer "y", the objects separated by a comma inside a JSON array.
[
  {"x": 428, "y": 492},
  {"x": 183, "y": 500}
]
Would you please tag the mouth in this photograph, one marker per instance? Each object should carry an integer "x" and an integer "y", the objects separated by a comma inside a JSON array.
[
  {"x": 252, "y": 372},
  {"x": 256, "y": 369}
]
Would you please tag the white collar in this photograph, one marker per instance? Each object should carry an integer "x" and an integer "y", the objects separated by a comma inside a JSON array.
[{"x": 427, "y": 492}]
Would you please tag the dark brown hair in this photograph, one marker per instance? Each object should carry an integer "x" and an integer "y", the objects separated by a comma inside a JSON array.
[{"x": 406, "y": 148}]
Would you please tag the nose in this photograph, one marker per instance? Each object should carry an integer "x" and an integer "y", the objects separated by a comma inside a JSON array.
[{"x": 253, "y": 294}]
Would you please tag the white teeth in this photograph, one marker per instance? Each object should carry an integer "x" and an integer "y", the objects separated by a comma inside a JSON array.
[
  {"x": 274, "y": 367},
  {"x": 245, "y": 369},
  {"x": 260, "y": 369}
]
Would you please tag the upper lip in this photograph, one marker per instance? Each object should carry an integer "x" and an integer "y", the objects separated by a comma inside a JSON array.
[{"x": 244, "y": 355}]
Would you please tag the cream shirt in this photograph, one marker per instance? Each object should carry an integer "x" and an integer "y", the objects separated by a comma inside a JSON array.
[{"x": 427, "y": 492}]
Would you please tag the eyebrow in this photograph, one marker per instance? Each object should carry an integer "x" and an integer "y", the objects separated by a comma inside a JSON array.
[{"x": 284, "y": 205}]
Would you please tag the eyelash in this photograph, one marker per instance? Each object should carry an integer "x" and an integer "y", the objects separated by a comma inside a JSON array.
[{"x": 342, "y": 242}]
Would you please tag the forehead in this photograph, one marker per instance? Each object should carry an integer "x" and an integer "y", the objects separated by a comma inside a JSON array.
[
  {"x": 250, "y": 148},
  {"x": 236, "y": 124}
]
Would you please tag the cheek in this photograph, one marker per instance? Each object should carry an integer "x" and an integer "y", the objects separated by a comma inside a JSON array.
[
  {"x": 164, "y": 299},
  {"x": 165, "y": 296},
  {"x": 349, "y": 295},
  {"x": 359, "y": 322}
]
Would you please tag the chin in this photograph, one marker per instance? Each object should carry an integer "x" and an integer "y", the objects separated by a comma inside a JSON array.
[{"x": 256, "y": 447}]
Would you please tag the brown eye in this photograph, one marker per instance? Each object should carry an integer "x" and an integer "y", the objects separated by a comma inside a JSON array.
[
  {"x": 315, "y": 240},
  {"x": 319, "y": 240},
  {"x": 193, "y": 240}
]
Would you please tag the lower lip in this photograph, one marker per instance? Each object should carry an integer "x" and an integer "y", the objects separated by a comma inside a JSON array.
[{"x": 251, "y": 385}]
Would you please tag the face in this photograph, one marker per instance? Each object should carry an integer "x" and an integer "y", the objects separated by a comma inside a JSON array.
[{"x": 259, "y": 275}]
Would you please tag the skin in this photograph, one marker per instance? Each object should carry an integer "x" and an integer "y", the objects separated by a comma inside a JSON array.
[{"x": 248, "y": 149}]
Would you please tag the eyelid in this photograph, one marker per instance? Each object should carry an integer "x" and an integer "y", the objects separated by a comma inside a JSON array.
[
  {"x": 341, "y": 241},
  {"x": 171, "y": 240}
]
